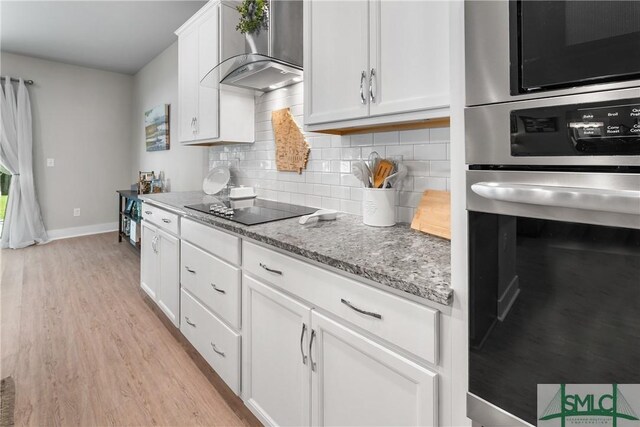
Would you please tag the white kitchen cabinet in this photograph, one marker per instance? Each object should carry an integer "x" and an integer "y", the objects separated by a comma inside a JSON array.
[
  {"x": 276, "y": 376},
  {"x": 149, "y": 260},
  {"x": 159, "y": 269},
  {"x": 336, "y": 55},
  {"x": 298, "y": 363},
  {"x": 385, "y": 75},
  {"x": 209, "y": 115},
  {"x": 356, "y": 381},
  {"x": 168, "y": 295}
]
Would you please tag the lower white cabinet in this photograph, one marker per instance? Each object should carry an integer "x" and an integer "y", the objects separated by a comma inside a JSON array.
[
  {"x": 159, "y": 269},
  {"x": 303, "y": 368},
  {"x": 276, "y": 376},
  {"x": 358, "y": 382},
  {"x": 216, "y": 342}
]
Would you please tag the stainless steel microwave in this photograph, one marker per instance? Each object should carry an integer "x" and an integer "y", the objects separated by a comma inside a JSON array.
[{"x": 520, "y": 49}]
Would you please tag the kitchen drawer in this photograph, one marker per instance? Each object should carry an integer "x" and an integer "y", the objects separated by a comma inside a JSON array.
[
  {"x": 216, "y": 342},
  {"x": 160, "y": 217},
  {"x": 404, "y": 323},
  {"x": 213, "y": 281},
  {"x": 219, "y": 243}
]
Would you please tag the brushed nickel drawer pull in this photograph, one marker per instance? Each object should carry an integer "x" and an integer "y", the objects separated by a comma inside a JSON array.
[
  {"x": 166, "y": 221},
  {"x": 304, "y": 331},
  {"x": 186, "y": 319},
  {"x": 313, "y": 364},
  {"x": 359, "y": 310},
  {"x": 218, "y": 290},
  {"x": 189, "y": 270},
  {"x": 270, "y": 270},
  {"x": 148, "y": 212},
  {"x": 213, "y": 346}
]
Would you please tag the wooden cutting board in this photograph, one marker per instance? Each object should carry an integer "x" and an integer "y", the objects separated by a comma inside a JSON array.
[{"x": 433, "y": 214}]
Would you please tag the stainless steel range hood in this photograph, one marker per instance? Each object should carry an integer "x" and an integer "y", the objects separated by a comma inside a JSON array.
[{"x": 270, "y": 60}]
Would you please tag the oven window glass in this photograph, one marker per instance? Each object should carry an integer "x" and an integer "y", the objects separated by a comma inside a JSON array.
[
  {"x": 550, "y": 302},
  {"x": 570, "y": 43}
]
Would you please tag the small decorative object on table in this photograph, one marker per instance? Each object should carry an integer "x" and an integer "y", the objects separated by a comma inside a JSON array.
[{"x": 144, "y": 182}]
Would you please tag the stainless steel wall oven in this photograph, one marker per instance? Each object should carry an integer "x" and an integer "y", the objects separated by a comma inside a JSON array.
[{"x": 553, "y": 200}]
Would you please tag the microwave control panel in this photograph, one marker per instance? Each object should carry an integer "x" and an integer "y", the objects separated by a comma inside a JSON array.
[{"x": 598, "y": 129}]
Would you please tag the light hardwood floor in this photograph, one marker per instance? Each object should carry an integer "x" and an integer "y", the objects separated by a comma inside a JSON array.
[{"x": 85, "y": 348}]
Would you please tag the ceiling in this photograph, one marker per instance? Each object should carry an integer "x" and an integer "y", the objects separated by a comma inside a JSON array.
[{"x": 119, "y": 36}]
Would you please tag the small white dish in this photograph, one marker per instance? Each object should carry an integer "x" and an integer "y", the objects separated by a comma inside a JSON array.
[
  {"x": 216, "y": 180},
  {"x": 239, "y": 193}
]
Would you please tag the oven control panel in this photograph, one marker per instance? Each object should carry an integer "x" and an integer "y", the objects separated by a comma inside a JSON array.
[{"x": 609, "y": 128}]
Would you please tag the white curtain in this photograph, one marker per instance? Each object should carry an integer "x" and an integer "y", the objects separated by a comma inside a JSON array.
[{"x": 23, "y": 224}]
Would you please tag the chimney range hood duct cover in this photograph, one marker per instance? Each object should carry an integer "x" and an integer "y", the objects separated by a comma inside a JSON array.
[{"x": 271, "y": 59}]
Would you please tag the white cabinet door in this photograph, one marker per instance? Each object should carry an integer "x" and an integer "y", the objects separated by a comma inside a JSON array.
[
  {"x": 410, "y": 65},
  {"x": 207, "y": 123},
  {"x": 149, "y": 260},
  {"x": 336, "y": 56},
  {"x": 275, "y": 370},
  {"x": 357, "y": 382},
  {"x": 188, "y": 83},
  {"x": 168, "y": 294}
]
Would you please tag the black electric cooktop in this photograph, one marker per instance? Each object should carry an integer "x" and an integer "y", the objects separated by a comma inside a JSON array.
[{"x": 252, "y": 211}]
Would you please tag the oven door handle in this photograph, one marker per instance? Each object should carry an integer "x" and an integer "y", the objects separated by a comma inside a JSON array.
[{"x": 592, "y": 199}]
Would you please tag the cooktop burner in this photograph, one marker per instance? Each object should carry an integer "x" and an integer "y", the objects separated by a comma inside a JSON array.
[{"x": 252, "y": 211}]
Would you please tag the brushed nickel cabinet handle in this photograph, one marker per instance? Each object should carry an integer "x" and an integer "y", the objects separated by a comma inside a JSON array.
[
  {"x": 270, "y": 270},
  {"x": 213, "y": 346},
  {"x": 148, "y": 212},
  {"x": 189, "y": 270},
  {"x": 313, "y": 364},
  {"x": 359, "y": 310},
  {"x": 372, "y": 75},
  {"x": 215, "y": 288},
  {"x": 166, "y": 221},
  {"x": 186, "y": 319},
  {"x": 363, "y": 78},
  {"x": 304, "y": 331}
]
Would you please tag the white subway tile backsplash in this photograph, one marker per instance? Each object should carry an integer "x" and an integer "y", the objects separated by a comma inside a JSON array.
[
  {"x": 406, "y": 151},
  {"x": 322, "y": 190},
  {"x": 340, "y": 192},
  {"x": 440, "y": 168},
  {"x": 416, "y": 136},
  {"x": 439, "y": 135},
  {"x": 430, "y": 183},
  {"x": 350, "y": 153},
  {"x": 331, "y": 178},
  {"x": 329, "y": 203},
  {"x": 362, "y": 139},
  {"x": 327, "y": 182},
  {"x": 385, "y": 138},
  {"x": 430, "y": 152}
]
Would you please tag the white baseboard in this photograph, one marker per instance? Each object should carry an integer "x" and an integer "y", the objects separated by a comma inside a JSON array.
[{"x": 65, "y": 233}]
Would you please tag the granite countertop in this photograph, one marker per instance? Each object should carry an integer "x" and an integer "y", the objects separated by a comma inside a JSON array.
[{"x": 398, "y": 257}]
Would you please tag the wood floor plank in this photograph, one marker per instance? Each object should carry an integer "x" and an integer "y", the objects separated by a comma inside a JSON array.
[{"x": 85, "y": 348}]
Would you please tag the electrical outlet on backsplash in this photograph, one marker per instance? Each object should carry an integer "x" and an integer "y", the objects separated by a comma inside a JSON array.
[{"x": 327, "y": 182}]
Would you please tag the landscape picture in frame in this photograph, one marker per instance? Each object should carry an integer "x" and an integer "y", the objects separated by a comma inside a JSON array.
[{"x": 156, "y": 128}]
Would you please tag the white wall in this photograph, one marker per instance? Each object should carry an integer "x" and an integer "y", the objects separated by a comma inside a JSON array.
[
  {"x": 327, "y": 182},
  {"x": 156, "y": 84},
  {"x": 81, "y": 118}
]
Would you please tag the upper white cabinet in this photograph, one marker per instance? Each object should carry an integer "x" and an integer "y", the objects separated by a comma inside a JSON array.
[
  {"x": 375, "y": 62},
  {"x": 206, "y": 114}
]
